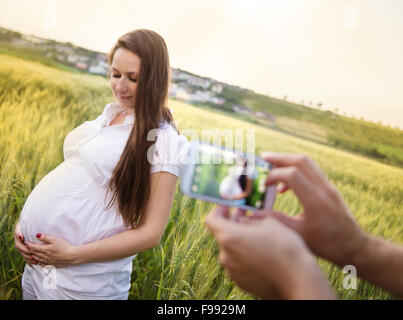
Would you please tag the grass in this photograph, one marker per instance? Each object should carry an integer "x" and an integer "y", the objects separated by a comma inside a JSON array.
[
  {"x": 380, "y": 142},
  {"x": 40, "y": 104}
]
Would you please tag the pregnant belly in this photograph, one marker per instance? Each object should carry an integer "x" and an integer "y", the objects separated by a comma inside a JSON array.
[{"x": 68, "y": 204}]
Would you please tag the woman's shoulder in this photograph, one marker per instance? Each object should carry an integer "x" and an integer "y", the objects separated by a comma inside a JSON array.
[
  {"x": 171, "y": 149},
  {"x": 168, "y": 127},
  {"x": 168, "y": 134}
]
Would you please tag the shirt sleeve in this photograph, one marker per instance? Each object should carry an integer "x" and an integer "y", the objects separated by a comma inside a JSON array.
[{"x": 169, "y": 152}]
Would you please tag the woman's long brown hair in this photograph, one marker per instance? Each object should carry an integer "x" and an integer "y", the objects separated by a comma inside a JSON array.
[{"x": 130, "y": 181}]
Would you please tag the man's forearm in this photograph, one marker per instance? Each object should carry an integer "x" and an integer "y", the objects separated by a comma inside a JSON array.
[
  {"x": 381, "y": 263},
  {"x": 115, "y": 247},
  {"x": 307, "y": 282}
]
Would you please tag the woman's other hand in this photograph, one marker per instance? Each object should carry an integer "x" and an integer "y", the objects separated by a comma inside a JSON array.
[
  {"x": 54, "y": 251},
  {"x": 20, "y": 246}
]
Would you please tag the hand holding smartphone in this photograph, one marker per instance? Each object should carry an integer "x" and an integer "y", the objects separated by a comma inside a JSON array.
[{"x": 227, "y": 177}]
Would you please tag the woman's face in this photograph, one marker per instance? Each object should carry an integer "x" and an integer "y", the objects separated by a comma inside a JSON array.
[{"x": 124, "y": 75}]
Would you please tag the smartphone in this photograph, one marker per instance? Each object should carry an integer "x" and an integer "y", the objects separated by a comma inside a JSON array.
[{"x": 228, "y": 177}]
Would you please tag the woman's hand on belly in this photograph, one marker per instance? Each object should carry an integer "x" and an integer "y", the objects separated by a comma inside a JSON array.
[
  {"x": 54, "y": 251},
  {"x": 20, "y": 246}
]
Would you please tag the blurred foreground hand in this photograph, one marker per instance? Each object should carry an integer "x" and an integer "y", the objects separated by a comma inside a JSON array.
[{"x": 266, "y": 258}]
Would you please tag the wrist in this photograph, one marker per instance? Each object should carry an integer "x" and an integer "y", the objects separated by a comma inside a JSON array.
[
  {"x": 363, "y": 252},
  {"x": 75, "y": 255},
  {"x": 355, "y": 251},
  {"x": 305, "y": 280}
]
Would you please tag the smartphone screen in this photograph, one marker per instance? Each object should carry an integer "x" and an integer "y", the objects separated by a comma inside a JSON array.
[{"x": 227, "y": 177}]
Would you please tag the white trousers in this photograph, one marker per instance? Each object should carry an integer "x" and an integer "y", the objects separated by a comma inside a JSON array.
[
  {"x": 27, "y": 290},
  {"x": 32, "y": 292}
]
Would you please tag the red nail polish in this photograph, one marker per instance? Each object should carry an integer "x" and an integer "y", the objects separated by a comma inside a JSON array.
[
  {"x": 20, "y": 237},
  {"x": 38, "y": 235}
]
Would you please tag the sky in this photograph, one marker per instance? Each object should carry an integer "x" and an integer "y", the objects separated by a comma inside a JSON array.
[{"x": 346, "y": 54}]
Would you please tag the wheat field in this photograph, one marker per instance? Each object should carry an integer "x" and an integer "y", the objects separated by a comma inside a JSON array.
[{"x": 39, "y": 105}]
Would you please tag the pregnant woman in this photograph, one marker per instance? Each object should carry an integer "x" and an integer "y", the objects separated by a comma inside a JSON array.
[
  {"x": 85, "y": 221},
  {"x": 237, "y": 185}
]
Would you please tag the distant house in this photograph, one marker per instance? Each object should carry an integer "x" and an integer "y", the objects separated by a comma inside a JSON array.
[
  {"x": 242, "y": 109},
  {"x": 200, "y": 96},
  {"x": 84, "y": 59},
  {"x": 103, "y": 64},
  {"x": 179, "y": 93},
  {"x": 59, "y": 47},
  {"x": 198, "y": 82},
  {"x": 63, "y": 49},
  {"x": 172, "y": 88},
  {"x": 81, "y": 66},
  {"x": 100, "y": 67},
  {"x": 97, "y": 69},
  {"x": 68, "y": 50},
  {"x": 72, "y": 58},
  {"x": 183, "y": 76},
  {"x": 175, "y": 74},
  {"x": 217, "y": 88},
  {"x": 33, "y": 39},
  {"x": 218, "y": 100},
  {"x": 60, "y": 57},
  {"x": 266, "y": 115},
  {"x": 45, "y": 46},
  {"x": 103, "y": 57},
  {"x": 22, "y": 43}
]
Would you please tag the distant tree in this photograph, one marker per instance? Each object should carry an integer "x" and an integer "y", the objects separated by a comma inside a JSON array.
[
  {"x": 319, "y": 105},
  {"x": 9, "y": 35},
  {"x": 285, "y": 98},
  {"x": 336, "y": 110}
]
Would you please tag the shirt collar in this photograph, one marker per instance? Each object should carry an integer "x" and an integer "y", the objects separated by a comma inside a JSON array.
[{"x": 110, "y": 111}]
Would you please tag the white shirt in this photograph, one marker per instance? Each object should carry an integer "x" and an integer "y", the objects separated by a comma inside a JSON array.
[{"x": 69, "y": 203}]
